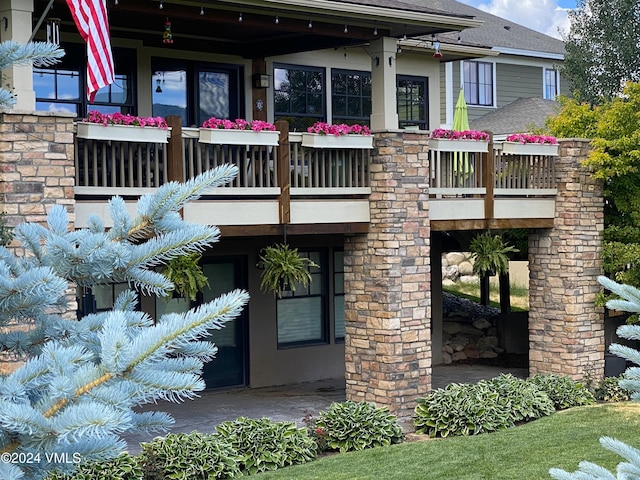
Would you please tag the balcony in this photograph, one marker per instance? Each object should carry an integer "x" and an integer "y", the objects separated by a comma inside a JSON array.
[{"x": 310, "y": 190}]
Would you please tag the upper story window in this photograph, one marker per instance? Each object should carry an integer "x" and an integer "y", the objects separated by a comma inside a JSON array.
[
  {"x": 478, "y": 83},
  {"x": 62, "y": 87},
  {"x": 350, "y": 97},
  {"x": 551, "y": 83},
  {"x": 195, "y": 91},
  {"x": 299, "y": 95},
  {"x": 413, "y": 101}
]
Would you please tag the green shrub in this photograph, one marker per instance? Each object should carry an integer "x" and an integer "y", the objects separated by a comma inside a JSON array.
[
  {"x": 351, "y": 425},
  {"x": 608, "y": 389},
  {"x": 487, "y": 406},
  {"x": 124, "y": 467},
  {"x": 563, "y": 391},
  {"x": 188, "y": 456},
  {"x": 267, "y": 445}
]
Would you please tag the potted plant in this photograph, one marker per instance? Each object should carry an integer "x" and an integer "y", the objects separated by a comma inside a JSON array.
[
  {"x": 525, "y": 144},
  {"x": 123, "y": 127},
  {"x": 239, "y": 132},
  {"x": 186, "y": 275},
  {"x": 446, "y": 140},
  {"x": 325, "y": 135},
  {"x": 283, "y": 268}
]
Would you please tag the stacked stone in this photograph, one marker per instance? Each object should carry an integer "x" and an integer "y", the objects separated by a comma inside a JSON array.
[
  {"x": 457, "y": 267},
  {"x": 566, "y": 328},
  {"x": 387, "y": 281}
]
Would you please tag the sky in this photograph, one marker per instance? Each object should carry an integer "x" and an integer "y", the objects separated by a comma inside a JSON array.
[{"x": 546, "y": 16}]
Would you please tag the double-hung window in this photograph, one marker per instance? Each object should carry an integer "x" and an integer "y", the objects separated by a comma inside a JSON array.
[
  {"x": 413, "y": 101},
  {"x": 299, "y": 95},
  {"x": 550, "y": 83},
  {"x": 478, "y": 83}
]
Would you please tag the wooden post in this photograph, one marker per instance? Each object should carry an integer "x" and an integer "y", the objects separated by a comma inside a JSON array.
[
  {"x": 485, "y": 288},
  {"x": 488, "y": 178},
  {"x": 175, "y": 150},
  {"x": 505, "y": 293},
  {"x": 284, "y": 173}
]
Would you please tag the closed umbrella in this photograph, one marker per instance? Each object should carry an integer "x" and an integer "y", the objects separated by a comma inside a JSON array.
[{"x": 460, "y": 124}]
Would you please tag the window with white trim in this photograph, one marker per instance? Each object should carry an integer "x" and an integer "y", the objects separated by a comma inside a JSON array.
[{"x": 478, "y": 83}]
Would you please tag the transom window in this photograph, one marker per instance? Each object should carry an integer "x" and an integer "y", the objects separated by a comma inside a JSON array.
[
  {"x": 299, "y": 95},
  {"x": 62, "y": 87},
  {"x": 413, "y": 102},
  {"x": 478, "y": 83},
  {"x": 350, "y": 97}
]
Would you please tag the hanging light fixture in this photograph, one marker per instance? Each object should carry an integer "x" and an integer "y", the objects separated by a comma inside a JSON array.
[
  {"x": 375, "y": 29},
  {"x": 201, "y": 10},
  {"x": 116, "y": 2},
  {"x": 346, "y": 29},
  {"x": 277, "y": 20},
  {"x": 161, "y": 5},
  {"x": 240, "y": 17},
  {"x": 436, "y": 47},
  {"x": 310, "y": 24}
]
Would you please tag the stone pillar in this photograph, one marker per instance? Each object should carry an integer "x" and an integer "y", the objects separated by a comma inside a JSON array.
[
  {"x": 18, "y": 25},
  {"x": 388, "y": 284},
  {"x": 37, "y": 167},
  {"x": 566, "y": 329}
]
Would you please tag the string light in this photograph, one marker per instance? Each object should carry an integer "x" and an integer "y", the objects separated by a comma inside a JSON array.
[
  {"x": 116, "y": 3},
  {"x": 240, "y": 17},
  {"x": 346, "y": 30},
  {"x": 375, "y": 30},
  {"x": 201, "y": 10},
  {"x": 161, "y": 6},
  {"x": 277, "y": 21},
  {"x": 310, "y": 24}
]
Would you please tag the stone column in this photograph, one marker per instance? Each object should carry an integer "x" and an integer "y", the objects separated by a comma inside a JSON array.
[
  {"x": 388, "y": 281},
  {"x": 566, "y": 329}
]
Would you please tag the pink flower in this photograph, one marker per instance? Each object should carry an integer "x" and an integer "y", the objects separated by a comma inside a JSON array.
[
  {"x": 95, "y": 116},
  {"x": 323, "y": 128},
  {"x": 526, "y": 138},
  {"x": 455, "y": 135},
  {"x": 239, "y": 124}
]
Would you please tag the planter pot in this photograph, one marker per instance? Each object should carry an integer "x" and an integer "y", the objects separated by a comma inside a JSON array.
[
  {"x": 448, "y": 145},
  {"x": 122, "y": 133},
  {"x": 315, "y": 140},
  {"x": 516, "y": 148},
  {"x": 222, "y": 136}
]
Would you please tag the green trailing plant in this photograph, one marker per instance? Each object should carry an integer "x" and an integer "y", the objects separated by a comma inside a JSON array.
[
  {"x": 563, "y": 391},
  {"x": 487, "y": 406},
  {"x": 349, "y": 425},
  {"x": 264, "y": 444},
  {"x": 490, "y": 254},
  {"x": 123, "y": 467},
  {"x": 189, "y": 456},
  {"x": 186, "y": 275},
  {"x": 283, "y": 268}
]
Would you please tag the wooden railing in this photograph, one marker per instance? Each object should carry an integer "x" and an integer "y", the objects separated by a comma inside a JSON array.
[{"x": 523, "y": 171}]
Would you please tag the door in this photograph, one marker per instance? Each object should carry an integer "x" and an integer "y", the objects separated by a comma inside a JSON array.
[{"x": 229, "y": 367}]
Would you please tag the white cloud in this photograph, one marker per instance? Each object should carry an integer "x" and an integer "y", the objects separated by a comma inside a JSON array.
[{"x": 542, "y": 15}]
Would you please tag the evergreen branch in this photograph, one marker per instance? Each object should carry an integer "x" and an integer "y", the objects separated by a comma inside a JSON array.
[{"x": 63, "y": 402}]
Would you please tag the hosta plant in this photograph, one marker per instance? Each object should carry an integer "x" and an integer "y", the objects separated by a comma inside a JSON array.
[
  {"x": 352, "y": 425},
  {"x": 563, "y": 391},
  {"x": 124, "y": 467},
  {"x": 264, "y": 444}
]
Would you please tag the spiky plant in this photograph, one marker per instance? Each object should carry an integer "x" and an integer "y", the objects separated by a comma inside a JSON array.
[
  {"x": 490, "y": 254},
  {"x": 283, "y": 268}
]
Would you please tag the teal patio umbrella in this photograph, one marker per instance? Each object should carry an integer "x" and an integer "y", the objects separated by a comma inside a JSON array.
[{"x": 461, "y": 123}]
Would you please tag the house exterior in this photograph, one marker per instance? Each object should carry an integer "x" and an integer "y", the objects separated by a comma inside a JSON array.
[{"x": 373, "y": 219}]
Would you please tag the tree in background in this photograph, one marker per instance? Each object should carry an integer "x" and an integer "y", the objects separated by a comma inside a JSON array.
[
  {"x": 73, "y": 397},
  {"x": 615, "y": 159},
  {"x": 602, "y": 48}
]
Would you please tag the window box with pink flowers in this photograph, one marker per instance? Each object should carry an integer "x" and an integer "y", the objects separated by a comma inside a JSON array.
[
  {"x": 123, "y": 128},
  {"x": 458, "y": 141},
  {"x": 524, "y": 144},
  {"x": 324, "y": 135},
  {"x": 239, "y": 132}
]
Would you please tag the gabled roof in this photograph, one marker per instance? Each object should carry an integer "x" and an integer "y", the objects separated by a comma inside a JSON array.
[{"x": 517, "y": 116}]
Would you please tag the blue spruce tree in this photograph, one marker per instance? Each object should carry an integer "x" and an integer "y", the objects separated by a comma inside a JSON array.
[
  {"x": 630, "y": 468},
  {"x": 73, "y": 397}
]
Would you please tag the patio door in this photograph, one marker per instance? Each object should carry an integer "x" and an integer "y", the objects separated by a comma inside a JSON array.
[{"x": 229, "y": 368}]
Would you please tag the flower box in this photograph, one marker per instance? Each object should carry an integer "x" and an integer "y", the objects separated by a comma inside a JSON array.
[
  {"x": 316, "y": 140},
  {"x": 223, "y": 136},
  {"x": 451, "y": 145},
  {"x": 517, "y": 148},
  {"x": 122, "y": 133}
]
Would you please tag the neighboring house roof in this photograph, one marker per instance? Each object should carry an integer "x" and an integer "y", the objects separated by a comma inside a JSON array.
[{"x": 516, "y": 117}]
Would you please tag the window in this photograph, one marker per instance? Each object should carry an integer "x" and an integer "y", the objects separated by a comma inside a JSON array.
[
  {"x": 550, "y": 83},
  {"x": 413, "y": 103},
  {"x": 302, "y": 314},
  {"x": 478, "y": 83},
  {"x": 196, "y": 91},
  {"x": 62, "y": 87},
  {"x": 350, "y": 97},
  {"x": 338, "y": 295},
  {"x": 299, "y": 95}
]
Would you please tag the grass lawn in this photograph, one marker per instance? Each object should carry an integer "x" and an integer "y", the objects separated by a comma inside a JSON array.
[
  {"x": 471, "y": 291},
  {"x": 525, "y": 452}
]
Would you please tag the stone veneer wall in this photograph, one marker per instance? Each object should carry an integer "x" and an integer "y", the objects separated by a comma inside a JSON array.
[
  {"x": 36, "y": 172},
  {"x": 387, "y": 281},
  {"x": 566, "y": 329}
]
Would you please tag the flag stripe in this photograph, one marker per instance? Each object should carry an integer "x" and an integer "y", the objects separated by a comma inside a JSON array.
[{"x": 90, "y": 17}]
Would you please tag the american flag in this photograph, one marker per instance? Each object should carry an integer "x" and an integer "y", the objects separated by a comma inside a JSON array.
[{"x": 91, "y": 19}]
